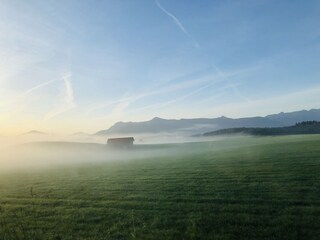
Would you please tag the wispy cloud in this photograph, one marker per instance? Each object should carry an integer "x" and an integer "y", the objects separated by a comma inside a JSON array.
[
  {"x": 170, "y": 86},
  {"x": 112, "y": 103},
  {"x": 118, "y": 111},
  {"x": 178, "y": 23},
  {"x": 236, "y": 91},
  {"x": 65, "y": 101},
  {"x": 294, "y": 101},
  {"x": 195, "y": 82},
  {"x": 27, "y": 92},
  {"x": 185, "y": 96},
  {"x": 231, "y": 84}
]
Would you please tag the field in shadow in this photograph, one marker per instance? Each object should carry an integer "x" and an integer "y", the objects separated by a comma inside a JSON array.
[{"x": 239, "y": 188}]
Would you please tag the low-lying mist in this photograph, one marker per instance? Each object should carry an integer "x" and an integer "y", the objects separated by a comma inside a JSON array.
[
  {"x": 160, "y": 138},
  {"x": 49, "y": 154},
  {"x": 35, "y": 150},
  {"x": 53, "y": 154}
]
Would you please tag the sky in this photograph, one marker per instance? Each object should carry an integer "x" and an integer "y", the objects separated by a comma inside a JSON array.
[{"x": 73, "y": 65}]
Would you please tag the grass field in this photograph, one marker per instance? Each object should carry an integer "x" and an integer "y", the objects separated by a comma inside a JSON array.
[{"x": 235, "y": 188}]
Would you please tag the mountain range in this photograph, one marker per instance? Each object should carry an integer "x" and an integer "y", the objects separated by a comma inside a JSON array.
[{"x": 202, "y": 125}]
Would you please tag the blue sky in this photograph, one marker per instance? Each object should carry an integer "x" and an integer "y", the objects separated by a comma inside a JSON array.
[{"x": 69, "y": 66}]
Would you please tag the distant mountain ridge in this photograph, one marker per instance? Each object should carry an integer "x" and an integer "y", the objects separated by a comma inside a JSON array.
[
  {"x": 34, "y": 132},
  {"x": 202, "y": 125}
]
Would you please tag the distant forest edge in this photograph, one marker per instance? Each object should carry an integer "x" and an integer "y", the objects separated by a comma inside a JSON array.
[{"x": 306, "y": 127}]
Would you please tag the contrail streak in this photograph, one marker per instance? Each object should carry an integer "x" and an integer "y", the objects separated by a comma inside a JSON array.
[
  {"x": 163, "y": 104},
  {"x": 160, "y": 89},
  {"x": 233, "y": 86},
  {"x": 30, "y": 91},
  {"x": 37, "y": 87},
  {"x": 184, "y": 30},
  {"x": 178, "y": 23},
  {"x": 155, "y": 91},
  {"x": 67, "y": 99}
]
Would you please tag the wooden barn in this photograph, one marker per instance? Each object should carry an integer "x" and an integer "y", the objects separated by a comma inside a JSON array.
[{"x": 125, "y": 142}]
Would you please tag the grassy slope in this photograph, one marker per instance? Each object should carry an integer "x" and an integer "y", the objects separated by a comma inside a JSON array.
[{"x": 246, "y": 188}]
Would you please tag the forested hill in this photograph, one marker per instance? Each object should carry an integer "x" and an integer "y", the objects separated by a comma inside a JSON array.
[{"x": 307, "y": 127}]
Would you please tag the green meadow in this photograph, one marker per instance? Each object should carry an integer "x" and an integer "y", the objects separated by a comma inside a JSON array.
[{"x": 232, "y": 188}]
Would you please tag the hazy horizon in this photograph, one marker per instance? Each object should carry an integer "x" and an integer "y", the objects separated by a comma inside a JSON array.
[{"x": 81, "y": 136}]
